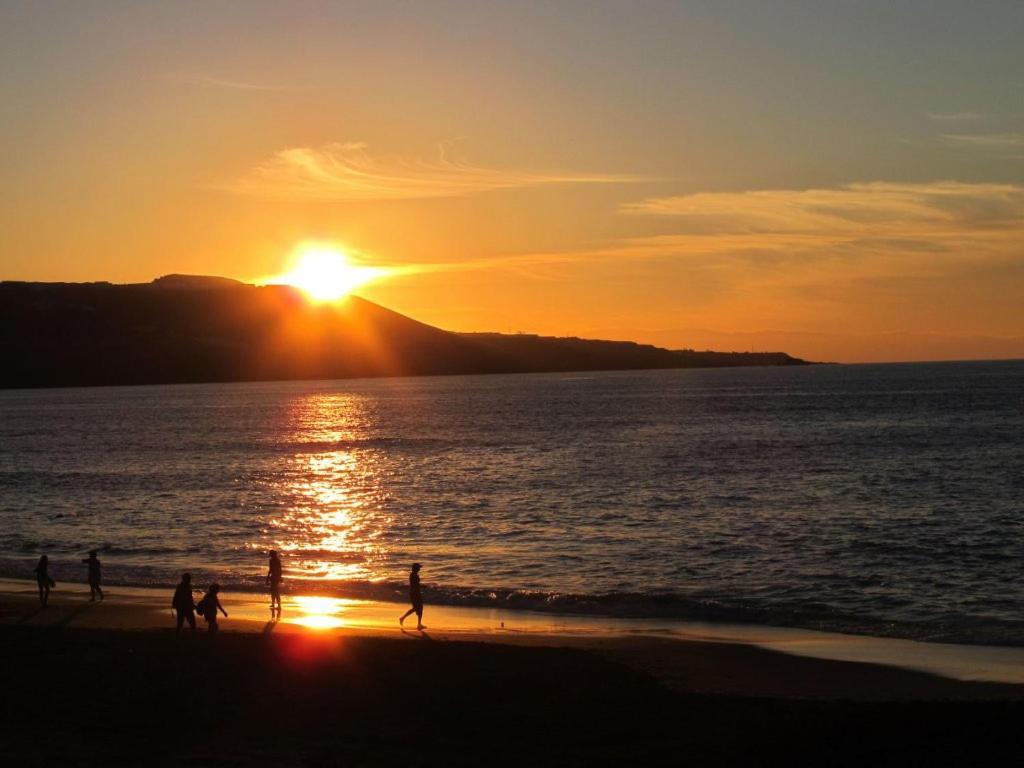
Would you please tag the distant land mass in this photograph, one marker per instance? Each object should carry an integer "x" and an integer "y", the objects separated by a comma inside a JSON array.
[{"x": 190, "y": 329}]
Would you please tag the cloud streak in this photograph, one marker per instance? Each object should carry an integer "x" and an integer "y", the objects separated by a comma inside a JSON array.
[
  {"x": 820, "y": 247},
  {"x": 878, "y": 256},
  {"x": 879, "y": 227},
  {"x": 986, "y": 140},
  {"x": 347, "y": 172},
  {"x": 956, "y": 117},
  {"x": 933, "y": 211},
  {"x": 207, "y": 81}
]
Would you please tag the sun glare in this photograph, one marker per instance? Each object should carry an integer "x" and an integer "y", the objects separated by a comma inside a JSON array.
[
  {"x": 319, "y": 612},
  {"x": 325, "y": 273}
]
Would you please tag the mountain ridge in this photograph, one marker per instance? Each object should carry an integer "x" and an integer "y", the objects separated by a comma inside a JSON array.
[{"x": 193, "y": 328}]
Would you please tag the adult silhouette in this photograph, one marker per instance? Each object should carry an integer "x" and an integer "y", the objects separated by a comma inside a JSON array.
[
  {"x": 43, "y": 579},
  {"x": 94, "y": 576},
  {"x": 209, "y": 606},
  {"x": 274, "y": 579},
  {"x": 183, "y": 602},
  {"x": 415, "y": 597}
]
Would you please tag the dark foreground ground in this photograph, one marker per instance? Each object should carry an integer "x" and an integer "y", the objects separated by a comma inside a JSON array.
[{"x": 96, "y": 697}]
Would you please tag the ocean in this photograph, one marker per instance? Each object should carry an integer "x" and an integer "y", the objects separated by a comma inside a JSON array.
[{"x": 879, "y": 499}]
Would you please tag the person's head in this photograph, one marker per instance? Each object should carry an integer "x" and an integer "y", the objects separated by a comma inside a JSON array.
[
  {"x": 43, "y": 560},
  {"x": 273, "y": 554},
  {"x": 214, "y": 588},
  {"x": 416, "y": 567},
  {"x": 186, "y": 578},
  {"x": 92, "y": 554}
]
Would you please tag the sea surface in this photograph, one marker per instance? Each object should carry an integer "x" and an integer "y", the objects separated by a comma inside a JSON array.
[{"x": 883, "y": 499}]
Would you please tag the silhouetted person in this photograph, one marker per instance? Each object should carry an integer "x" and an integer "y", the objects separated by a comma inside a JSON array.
[
  {"x": 209, "y": 606},
  {"x": 43, "y": 579},
  {"x": 274, "y": 579},
  {"x": 94, "y": 576},
  {"x": 183, "y": 603},
  {"x": 415, "y": 597}
]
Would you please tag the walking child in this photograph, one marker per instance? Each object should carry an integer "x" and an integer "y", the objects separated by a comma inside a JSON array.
[{"x": 209, "y": 606}]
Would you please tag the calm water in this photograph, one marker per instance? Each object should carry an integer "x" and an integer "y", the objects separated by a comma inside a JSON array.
[{"x": 884, "y": 499}]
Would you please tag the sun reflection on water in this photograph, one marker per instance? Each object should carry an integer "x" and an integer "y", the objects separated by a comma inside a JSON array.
[
  {"x": 329, "y": 526},
  {"x": 316, "y": 612}
]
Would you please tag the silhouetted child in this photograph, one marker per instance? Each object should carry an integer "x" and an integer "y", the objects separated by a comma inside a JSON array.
[
  {"x": 415, "y": 597},
  {"x": 209, "y": 606},
  {"x": 183, "y": 603},
  {"x": 274, "y": 579},
  {"x": 43, "y": 580},
  {"x": 94, "y": 576}
]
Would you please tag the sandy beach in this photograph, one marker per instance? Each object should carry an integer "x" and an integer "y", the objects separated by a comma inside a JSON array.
[{"x": 338, "y": 682}]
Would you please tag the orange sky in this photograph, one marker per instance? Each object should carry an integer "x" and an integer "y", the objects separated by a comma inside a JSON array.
[{"x": 843, "y": 183}]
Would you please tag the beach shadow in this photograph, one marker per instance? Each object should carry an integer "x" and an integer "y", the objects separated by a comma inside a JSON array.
[
  {"x": 419, "y": 634},
  {"x": 31, "y": 614},
  {"x": 71, "y": 615},
  {"x": 60, "y": 616},
  {"x": 269, "y": 626}
]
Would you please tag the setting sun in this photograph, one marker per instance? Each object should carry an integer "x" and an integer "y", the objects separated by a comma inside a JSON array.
[{"x": 325, "y": 273}]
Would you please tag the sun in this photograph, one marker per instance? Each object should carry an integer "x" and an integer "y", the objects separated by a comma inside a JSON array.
[{"x": 325, "y": 272}]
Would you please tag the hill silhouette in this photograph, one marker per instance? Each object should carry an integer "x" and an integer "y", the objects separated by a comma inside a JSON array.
[{"x": 182, "y": 328}]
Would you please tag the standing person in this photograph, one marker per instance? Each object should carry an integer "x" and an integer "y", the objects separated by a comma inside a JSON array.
[
  {"x": 43, "y": 580},
  {"x": 415, "y": 597},
  {"x": 94, "y": 576},
  {"x": 209, "y": 606},
  {"x": 274, "y": 579},
  {"x": 183, "y": 603}
]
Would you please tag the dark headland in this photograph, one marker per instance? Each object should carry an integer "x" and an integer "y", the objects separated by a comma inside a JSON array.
[{"x": 188, "y": 329}]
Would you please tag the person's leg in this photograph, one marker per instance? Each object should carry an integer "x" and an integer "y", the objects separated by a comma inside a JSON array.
[
  {"x": 46, "y": 595},
  {"x": 180, "y": 617},
  {"x": 92, "y": 593},
  {"x": 419, "y": 616},
  {"x": 41, "y": 601},
  {"x": 404, "y": 616}
]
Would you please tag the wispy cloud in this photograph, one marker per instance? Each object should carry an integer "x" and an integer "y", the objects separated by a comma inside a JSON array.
[
  {"x": 932, "y": 209},
  {"x": 956, "y": 117},
  {"x": 895, "y": 255},
  {"x": 826, "y": 238},
  {"x": 207, "y": 81},
  {"x": 342, "y": 172},
  {"x": 895, "y": 227},
  {"x": 877, "y": 228},
  {"x": 986, "y": 140}
]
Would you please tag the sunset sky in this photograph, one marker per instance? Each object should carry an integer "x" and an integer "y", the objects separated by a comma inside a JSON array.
[{"x": 839, "y": 180}]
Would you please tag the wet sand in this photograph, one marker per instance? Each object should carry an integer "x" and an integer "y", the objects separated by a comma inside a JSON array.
[{"x": 331, "y": 683}]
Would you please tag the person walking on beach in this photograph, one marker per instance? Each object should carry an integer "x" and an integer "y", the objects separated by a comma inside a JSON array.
[
  {"x": 274, "y": 579},
  {"x": 43, "y": 580},
  {"x": 209, "y": 606},
  {"x": 94, "y": 576},
  {"x": 415, "y": 597},
  {"x": 183, "y": 603}
]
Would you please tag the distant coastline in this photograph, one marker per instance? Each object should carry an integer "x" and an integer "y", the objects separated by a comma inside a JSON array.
[{"x": 192, "y": 329}]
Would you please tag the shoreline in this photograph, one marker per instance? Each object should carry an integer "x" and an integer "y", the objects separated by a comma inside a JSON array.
[
  {"x": 561, "y": 608},
  {"x": 743, "y": 660}
]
